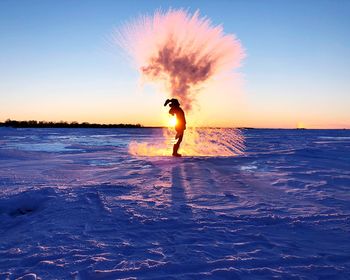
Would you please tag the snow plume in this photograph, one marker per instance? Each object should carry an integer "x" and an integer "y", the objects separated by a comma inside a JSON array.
[
  {"x": 181, "y": 50},
  {"x": 197, "y": 142}
]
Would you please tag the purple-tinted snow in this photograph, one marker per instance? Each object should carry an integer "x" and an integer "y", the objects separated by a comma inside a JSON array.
[{"x": 75, "y": 205}]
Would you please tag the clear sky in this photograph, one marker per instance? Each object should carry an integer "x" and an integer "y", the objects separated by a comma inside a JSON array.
[{"x": 58, "y": 62}]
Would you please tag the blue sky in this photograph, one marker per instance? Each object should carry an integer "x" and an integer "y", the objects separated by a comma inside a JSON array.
[{"x": 57, "y": 60}]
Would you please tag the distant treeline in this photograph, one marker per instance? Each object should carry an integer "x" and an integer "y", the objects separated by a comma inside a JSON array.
[{"x": 61, "y": 124}]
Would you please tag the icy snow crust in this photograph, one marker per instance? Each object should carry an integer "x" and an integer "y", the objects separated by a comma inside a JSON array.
[{"x": 75, "y": 205}]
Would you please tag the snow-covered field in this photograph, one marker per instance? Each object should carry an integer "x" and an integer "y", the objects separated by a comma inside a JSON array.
[{"x": 75, "y": 205}]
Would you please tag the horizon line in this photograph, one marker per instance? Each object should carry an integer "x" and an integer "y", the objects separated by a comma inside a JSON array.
[{"x": 35, "y": 124}]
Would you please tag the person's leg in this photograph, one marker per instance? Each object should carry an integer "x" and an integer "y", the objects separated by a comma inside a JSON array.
[{"x": 176, "y": 147}]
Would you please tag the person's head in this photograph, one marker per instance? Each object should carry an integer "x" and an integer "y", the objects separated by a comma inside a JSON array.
[{"x": 172, "y": 103}]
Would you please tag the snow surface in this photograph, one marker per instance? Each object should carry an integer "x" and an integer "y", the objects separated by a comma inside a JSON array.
[{"x": 75, "y": 205}]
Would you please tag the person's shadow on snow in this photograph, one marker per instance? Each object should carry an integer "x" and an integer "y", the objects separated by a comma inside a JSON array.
[{"x": 178, "y": 195}]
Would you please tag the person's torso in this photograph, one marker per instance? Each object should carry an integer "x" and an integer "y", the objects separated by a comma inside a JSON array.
[
  {"x": 180, "y": 115},
  {"x": 180, "y": 118}
]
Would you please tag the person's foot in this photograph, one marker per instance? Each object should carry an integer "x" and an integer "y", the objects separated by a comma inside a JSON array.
[{"x": 176, "y": 155}]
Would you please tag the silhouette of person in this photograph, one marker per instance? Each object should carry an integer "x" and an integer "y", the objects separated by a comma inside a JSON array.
[{"x": 180, "y": 126}]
